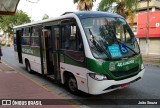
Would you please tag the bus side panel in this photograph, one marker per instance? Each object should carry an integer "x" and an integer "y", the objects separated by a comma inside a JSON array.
[
  {"x": 78, "y": 72},
  {"x": 31, "y": 47},
  {"x": 32, "y": 54},
  {"x": 34, "y": 62},
  {"x": 72, "y": 55}
]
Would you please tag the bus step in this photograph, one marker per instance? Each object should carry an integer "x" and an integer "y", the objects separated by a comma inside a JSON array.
[{"x": 51, "y": 76}]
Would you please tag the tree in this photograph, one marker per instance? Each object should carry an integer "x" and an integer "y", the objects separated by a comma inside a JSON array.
[
  {"x": 7, "y": 22},
  {"x": 45, "y": 16},
  {"x": 125, "y": 8},
  {"x": 84, "y": 5}
]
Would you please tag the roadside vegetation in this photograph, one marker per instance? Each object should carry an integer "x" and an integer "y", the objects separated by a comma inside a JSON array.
[{"x": 7, "y": 22}]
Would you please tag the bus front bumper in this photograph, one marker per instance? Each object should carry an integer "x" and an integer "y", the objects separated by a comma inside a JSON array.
[{"x": 104, "y": 86}]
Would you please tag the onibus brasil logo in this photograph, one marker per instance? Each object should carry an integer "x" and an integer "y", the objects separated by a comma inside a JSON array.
[{"x": 20, "y": 102}]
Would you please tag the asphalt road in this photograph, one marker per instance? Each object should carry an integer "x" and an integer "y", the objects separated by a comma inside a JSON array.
[{"x": 147, "y": 88}]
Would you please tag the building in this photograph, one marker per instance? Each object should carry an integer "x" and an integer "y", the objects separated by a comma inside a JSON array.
[
  {"x": 154, "y": 5},
  {"x": 153, "y": 45}
]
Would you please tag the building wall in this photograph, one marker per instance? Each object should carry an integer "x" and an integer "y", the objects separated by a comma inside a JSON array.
[
  {"x": 154, "y": 25},
  {"x": 153, "y": 45},
  {"x": 152, "y": 4}
]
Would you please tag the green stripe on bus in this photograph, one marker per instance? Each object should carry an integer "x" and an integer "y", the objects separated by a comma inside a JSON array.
[{"x": 31, "y": 50}]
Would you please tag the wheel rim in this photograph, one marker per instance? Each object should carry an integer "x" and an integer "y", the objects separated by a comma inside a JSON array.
[{"x": 72, "y": 84}]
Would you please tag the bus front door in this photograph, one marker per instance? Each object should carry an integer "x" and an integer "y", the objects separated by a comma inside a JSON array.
[
  {"x": 51, "y": 52},
  {"x": 47, "y": 53},
  {"x": 56, "y": 47}
]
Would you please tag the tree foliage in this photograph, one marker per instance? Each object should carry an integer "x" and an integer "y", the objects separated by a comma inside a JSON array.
[
  {"x": 84, "y": 5},
  {"x": 45, "y": 16},
  {"x": 123, "y": 7},
  {"x": 8, "y": 22}
]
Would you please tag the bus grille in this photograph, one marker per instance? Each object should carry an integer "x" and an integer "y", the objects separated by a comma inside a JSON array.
[{"x": 122, "y": 73}]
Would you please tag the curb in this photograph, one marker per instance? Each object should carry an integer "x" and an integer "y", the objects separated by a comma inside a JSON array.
[{"x": 151, "y": 65}]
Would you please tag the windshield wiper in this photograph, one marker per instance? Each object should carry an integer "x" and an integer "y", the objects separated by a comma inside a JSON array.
[
  {"x": 119, "y": 42},
  {"x": 127, "y": 47},
  {"x": 97, "y": 43}
]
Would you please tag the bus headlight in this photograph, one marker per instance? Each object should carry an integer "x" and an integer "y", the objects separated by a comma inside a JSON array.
[
  {"x": 98, "y": 76},
  {"x": 142, "y": 66}
]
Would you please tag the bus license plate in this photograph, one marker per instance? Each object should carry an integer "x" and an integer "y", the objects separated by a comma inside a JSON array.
[{"x": 124, "y": 86}]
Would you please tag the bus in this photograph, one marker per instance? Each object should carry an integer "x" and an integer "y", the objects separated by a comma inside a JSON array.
[{"x": 93, "y": 52}]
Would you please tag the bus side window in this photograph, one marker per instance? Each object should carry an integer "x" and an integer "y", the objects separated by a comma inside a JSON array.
[
  {"x": 67, "y": 35},
  {"x": 34, "y": 37},
  {"x": 71, "y": 40},
  {"x": 26, "y": 36},
  {"x": 79, "y": 40},
  {"x": 71, "y": 37}
]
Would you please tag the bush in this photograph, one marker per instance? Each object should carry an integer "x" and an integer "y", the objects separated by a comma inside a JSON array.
[
  {"x": 2, "y": 44},
  {"x": 8, "y": 45}
]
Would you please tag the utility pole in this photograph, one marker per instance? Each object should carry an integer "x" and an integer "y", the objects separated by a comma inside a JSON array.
[
  {"x": 32, "y": 1},
  {"x": 147, "y": 27}
]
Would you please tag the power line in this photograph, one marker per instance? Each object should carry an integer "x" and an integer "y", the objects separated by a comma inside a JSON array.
[{"x": 33, "y": 1}]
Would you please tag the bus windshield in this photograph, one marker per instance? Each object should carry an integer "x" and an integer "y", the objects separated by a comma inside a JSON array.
[{"x": 110, "y": 38}]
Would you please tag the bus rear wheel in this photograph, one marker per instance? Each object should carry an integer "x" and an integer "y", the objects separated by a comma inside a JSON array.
[
  {"x": 72, "y": 84},
  {"x": 28, "y": 67}
]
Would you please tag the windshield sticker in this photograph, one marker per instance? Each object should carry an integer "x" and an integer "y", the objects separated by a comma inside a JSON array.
[
  {"x": 120, "y": 64},
  {"x": 114, "y": 51},
  {"x": 123, "y": 49}
]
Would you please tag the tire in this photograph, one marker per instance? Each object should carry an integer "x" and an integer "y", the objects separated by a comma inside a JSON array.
[
  {"x": 28, "y": 67},
  {"x": 72, "y": 85}
]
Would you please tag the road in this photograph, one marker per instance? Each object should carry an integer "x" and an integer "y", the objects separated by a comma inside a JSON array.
[{"x": 147, "y": 88}]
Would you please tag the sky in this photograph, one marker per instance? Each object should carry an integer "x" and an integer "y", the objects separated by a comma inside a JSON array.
[{"x": 53, "y": 8}]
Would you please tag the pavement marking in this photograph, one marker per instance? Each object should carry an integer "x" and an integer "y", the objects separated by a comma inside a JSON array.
[
  {"x": 47, "y": 89},
  {"x": 9, "y": 72}
]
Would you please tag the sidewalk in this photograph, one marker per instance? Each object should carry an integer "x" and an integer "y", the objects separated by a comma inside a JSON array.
[
  {"x": 15, "y": 85},
  {"x": 151, "y": 60}
]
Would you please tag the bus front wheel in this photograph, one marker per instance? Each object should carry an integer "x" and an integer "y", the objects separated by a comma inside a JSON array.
[{"x": 72, "y": 84}]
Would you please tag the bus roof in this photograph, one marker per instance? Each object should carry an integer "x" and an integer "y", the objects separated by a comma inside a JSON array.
[
  {"x": 80, "y": 15},
  {"x": 86, "y": 14}
]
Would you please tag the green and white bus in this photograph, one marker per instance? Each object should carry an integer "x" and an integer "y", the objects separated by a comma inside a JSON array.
[{"x": 94, "y": 52}]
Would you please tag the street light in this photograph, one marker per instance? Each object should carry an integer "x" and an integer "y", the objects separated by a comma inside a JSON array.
[{"x": 32, "y": 1}]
